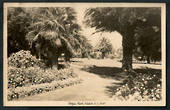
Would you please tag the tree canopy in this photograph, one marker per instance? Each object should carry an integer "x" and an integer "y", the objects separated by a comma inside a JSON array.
[
  {"x": 18, "y": 21},
  {"x": 104, "y": 46},
  {"x": 49, "y": 31},
  {"x": 125, "y": 21},
  {"x": 148, "y": 44}
]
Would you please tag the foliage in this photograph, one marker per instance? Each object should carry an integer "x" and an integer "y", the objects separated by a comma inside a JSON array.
[
  {"x": 151, "y": 48},
  {"x": 56, "y": 32},
  {"x": 118, "y": 53},
  {"x": 49, "y": 27},
  {"x": 104, "y": 46},
  {"x": 21, "y": 92},
  {"x": 125, "y": 21},
  {"x": 122, "y": 18},
  {"x": 140, "y": 87},
  {"x": 18, "y": 22},
  {"x": 86, "y": 47},
  {"x": 26, "y": 77},
  {"x": 24, "y": 59},
  {"x": 45, "y": 31}
]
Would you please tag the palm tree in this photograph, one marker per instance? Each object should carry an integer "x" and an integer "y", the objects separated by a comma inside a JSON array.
[{"x": 54, "y": 31}]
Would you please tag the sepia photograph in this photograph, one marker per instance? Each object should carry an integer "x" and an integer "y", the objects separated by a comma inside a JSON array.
[{"x": 84, "y": 54}]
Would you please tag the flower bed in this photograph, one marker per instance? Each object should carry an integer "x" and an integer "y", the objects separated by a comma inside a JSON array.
[
  {"x": 21, "y": 92},
  {"x": 140, "y": 87},
  {"x": 28, "y": 76},
  {"x": 29, "y": 81},
  {"x": 18, "y": 77}
]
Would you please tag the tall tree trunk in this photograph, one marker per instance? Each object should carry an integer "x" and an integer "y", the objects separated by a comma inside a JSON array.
[
  {"x": 127, "y": 43},
  {"x": 127, "y": 55}
]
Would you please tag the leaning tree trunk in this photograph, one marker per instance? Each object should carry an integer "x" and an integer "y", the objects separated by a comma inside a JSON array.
[{"x": 127, "y": 43}]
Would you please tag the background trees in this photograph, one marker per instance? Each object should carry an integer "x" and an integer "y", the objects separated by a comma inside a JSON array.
[
  {"x": 104, "y": 46},
  {"x": 57, "y": 28},
  {"x": 86, "y": 47},
  {"x": 47, "y": 32},
  {"x": 18, "y": 22},
  {"x": 125, "y": 21},
  {"x": 148, "y": 44}
]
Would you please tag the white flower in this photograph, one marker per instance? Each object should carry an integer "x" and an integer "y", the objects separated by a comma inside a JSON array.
[{"x": 158, "y": 85}]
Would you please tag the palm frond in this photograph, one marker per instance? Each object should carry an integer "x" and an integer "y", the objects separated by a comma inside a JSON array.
[
  {"x": 59, "y": 25},
  {"x": 68, "y": 45},
  {"x": 49, "y": 35}
]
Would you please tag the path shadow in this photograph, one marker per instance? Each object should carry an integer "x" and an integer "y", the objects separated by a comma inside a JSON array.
[
  {"x": 142, "y": 62},
  {"x": 75, "y": 61},
  {"x": 146, "y": 63},
  {"x": 106, "y": 72},
  {"x": 116, "y": 73},
  {"x": 110, "y": 90},
  {"x": 72, "y": 60},
  {"x": 148, "y": 70}
]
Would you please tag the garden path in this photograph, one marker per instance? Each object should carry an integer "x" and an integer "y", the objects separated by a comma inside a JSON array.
[
  {"x": 100, "y": 78},
  {"x": 92, "y": 88}
]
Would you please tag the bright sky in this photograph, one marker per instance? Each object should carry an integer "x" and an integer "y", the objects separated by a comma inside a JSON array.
[{"x": 115, "y": 37}]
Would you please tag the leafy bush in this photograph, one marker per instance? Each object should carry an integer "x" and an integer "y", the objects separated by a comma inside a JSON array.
[
  {"x": 24, "y": 59},
  {"x": 36, "y": 75},
  {"x": 140, "y": 87},
  {"x": 21, "y": 92},
  {"x": 27, "y": 77}
]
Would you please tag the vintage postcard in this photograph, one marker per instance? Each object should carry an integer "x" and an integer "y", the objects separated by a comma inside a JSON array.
[{"x": 84, "y": 54}]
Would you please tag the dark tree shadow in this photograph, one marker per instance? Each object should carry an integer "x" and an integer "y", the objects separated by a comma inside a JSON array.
[
  {"x": 106, "y": 72},
  {"x": 76, "y": 61},
  {"x": 148, "y": 70},
  {"x": 142, "y": 62},
  {"x": 116, "y": 73},
  {"x": 152, "y": 63},
  {"x": 62, "y": 60}
]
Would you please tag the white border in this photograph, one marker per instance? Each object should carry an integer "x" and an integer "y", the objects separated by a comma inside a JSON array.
[{"x": 64, "y": 103}]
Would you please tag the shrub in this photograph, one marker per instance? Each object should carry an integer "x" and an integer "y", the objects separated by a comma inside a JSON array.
[
  {"x": 24, "y": 59},
  {"x": 27, "y": 76},
  {"x": 140, "y": 87}
]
